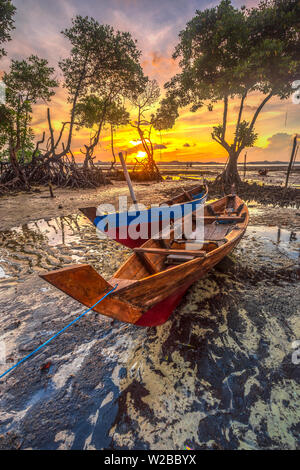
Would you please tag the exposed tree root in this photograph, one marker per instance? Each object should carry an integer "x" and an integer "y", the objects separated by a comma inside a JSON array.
[{"x": 61, "y": 172}]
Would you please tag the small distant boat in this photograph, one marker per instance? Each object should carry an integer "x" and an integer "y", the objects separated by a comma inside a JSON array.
[
  {"x": 116, "y": 225},
  {"x": 152, "y": 282},
  {"x": 263, "y": 172}
]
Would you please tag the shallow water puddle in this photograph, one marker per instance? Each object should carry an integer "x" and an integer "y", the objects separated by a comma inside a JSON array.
[
  {"x": 56, "y": 231},
  {"x": 2, "y": 273},
  {"x": 54, "y": 243},
  {"x": 285, "y": 242}
]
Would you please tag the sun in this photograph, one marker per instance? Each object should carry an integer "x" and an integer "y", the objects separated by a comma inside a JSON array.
[{"x": 140, "y": 155}]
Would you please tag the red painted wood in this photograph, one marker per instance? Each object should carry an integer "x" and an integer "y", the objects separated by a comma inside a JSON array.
[
  {"x": 129, "y": 242},
  {"x": 160, "y": 313}
]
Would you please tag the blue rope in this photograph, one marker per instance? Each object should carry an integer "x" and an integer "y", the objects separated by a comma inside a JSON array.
[{"x": 61, "y": 331}]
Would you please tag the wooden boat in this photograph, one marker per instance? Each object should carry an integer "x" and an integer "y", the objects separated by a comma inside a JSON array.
[
  {"x": 113, "y": 225},
  {"x": 151, "y": 283}
]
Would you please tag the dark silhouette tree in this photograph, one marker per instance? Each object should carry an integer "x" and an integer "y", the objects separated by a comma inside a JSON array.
[
  {"x": 103, "y": 63},
  {"x": 118, "y": 116},
  {"x": 227, "y": 53},
  {"x": 27, "y": 82},
  {"x": 7, "y": 11},
  {"x": 144, "y": 124},
  {"x": 94, "y": 113}
]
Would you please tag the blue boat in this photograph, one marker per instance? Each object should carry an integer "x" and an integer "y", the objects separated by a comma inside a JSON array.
[{"x": 132, "y": 228}]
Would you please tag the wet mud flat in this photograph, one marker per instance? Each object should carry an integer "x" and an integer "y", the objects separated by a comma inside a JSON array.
[{"x": 218, "y": 375}]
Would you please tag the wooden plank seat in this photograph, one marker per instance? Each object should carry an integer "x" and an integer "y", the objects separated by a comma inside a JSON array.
[
  {"x": 166, "y": 252},
  {"x": 177, "y": 259},
  {"x": 218, "y": 242},
  {"x": 222, "y": 219},
  {"x": 173, "y": 256}
]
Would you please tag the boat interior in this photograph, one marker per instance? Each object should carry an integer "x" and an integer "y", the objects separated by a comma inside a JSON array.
[
  {"x": 221, "y": 218},
  {"x": 190, "y": 195},
  {"x": 193, "y": 194}
]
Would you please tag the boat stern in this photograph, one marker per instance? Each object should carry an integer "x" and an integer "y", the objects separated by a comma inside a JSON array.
[{"x": 84, "y": 284}]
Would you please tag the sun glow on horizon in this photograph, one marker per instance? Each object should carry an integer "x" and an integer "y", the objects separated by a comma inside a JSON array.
[
  {"x": 141, "y": 155},
  {"x": 135, "y": 142}
]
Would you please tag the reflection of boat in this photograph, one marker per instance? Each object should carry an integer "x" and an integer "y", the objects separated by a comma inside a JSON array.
[
  {"x": 149, "y": 221},
  {"x": 151, "y": 283}
]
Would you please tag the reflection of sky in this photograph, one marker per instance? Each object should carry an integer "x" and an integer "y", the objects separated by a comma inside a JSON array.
[
  {"x": 155, "y": 25},
  {"x": 273, "y": 238}
]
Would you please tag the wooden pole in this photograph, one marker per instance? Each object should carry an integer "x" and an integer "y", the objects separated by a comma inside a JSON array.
[
  {"x": 127, "y": 178},
  {"x": 51, "y": 190},
  {"x": 291, "y": 160},
  {"x": 245, "y": 165}
]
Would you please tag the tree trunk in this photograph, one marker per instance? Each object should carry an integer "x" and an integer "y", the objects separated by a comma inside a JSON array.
[
  {"x": 112, "y": 148},
  {"x": 17, "y": 168},
  {"x": 230, "y": 175}
]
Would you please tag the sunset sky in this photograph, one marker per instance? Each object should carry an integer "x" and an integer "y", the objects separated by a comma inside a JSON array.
[{"x": 155, "y": 24}]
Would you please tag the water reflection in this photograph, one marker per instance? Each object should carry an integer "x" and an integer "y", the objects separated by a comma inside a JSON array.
[
  {"x": 274, "y": 240},
  {"x": 48, "y": 244}
]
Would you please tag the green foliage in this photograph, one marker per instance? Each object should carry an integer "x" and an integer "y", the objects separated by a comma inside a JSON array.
[
  {"x": 91, "y": 110},
  {"x": 103, "y": 67},
  {"x": 117, "y": 115},
  {"x": 31, "y": 79},
  {"x": 7, "y": 11},
  {"x": 102, "y": 61},
  {"x": 27, "y": 82},
  {"x": 166, "y": 115},
  {"x": 245, "y": 136},
  {"x": 225, "y": 51},
  {"x": 217, "y": 133}
]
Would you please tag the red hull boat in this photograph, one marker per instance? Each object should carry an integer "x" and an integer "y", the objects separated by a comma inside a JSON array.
[{"x": 152, "y": 282}]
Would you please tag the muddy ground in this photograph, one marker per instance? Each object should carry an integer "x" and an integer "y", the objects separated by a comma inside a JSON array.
[{"x": 218, "y": 375}]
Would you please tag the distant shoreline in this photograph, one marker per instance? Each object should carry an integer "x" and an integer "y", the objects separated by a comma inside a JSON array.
[{"x": 203, "y": 164}]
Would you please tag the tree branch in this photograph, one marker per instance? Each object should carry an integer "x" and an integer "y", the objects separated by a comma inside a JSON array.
[
  {"x": 225, "y": 113},
  {"x": 37, "y": 145},
  {"x": 222, "y": 142},
  {"x": 267, "y": 98},
  {"x": 51, "y": 132},
  {"x": 239, "y": 119}
]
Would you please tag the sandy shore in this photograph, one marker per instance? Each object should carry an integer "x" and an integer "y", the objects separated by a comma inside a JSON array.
[{"x": 218, "y": 375}]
